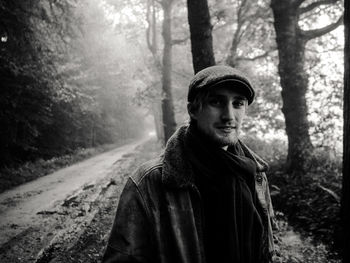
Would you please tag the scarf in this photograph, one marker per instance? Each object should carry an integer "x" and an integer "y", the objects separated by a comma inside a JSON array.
[{"x": 232, "y": 225}]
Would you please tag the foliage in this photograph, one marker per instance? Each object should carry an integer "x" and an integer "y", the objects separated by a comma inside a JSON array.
[
  {"x": 309, "y": 201},
  {"x": 237, "y": 23},
  {"x": 62, "y": 88},
  {"x": 246, "y": 26},
  {"x": 27, "y": 75},
  {"x": 292, "y": 247},
  {"x": 273, "y": 150},
  {"x": 325, "y": 92}
]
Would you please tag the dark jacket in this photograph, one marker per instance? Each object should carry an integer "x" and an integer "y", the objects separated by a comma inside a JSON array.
[{"x": 159, "y": 213}]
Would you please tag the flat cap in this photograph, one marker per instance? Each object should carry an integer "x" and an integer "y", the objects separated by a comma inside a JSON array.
[{"x": 216, "y": 75}]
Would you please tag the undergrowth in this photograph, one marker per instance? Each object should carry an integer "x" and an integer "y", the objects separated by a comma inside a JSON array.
[
  {"x": 291, "y": 247},
  {"x": 310, "y": 201}
]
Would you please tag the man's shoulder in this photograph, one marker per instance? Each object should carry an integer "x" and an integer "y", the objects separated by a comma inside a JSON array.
[{"x": 148, "y": 171}]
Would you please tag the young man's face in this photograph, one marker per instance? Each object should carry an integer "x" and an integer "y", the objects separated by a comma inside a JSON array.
[{"x": 221, "y": 116}]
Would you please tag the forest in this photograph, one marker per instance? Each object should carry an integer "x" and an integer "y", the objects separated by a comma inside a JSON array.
[{"x": 80, "y": 75}]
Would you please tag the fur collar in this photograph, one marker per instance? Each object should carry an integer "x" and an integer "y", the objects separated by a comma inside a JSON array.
[{"x": 177, "y": 171}]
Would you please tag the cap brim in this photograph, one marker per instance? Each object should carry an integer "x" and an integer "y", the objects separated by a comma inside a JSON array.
[{"x": 239, "y": 86}]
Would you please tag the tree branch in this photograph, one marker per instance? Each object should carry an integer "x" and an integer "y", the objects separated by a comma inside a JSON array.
[
  {"x": 240, "y": 12},
  {"x": 330, "y": 192},
  {"x": 228, "y": 23},
  {"x": 148, "y": 29},
  {"x": 313, "y": 5},
  {"x": 310, "y": 34},
  {"x": 297, "y": 3},
  {"x": 334, "y": 49},
  {"x": 264, "y": 55},
  {"x": 180, "y": 41}
]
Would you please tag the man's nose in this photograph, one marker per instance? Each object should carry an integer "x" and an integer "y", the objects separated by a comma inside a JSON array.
[{"x": 227, "y": 113}]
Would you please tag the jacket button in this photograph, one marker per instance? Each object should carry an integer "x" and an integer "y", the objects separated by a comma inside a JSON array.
[{"x": 259, "y": 179}]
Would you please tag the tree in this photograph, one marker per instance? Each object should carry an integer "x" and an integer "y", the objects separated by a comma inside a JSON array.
[
  {"x": 201, "y": 34},
  {"x": 345, "y": 201},
  {"x": 151, "y": 97},
  {"x": 28, "y": 73},
  {"x": 62, "y": 87},
  {"x": 291, "y": 42},
  {"x": 161, "y": 70},
  {"x": 167, "y": 100},
  {"x": 251, "y": 26}
]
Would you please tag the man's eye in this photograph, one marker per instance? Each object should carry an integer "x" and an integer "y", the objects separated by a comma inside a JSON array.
[
  {"x": 215, "y": 102},
  {"x": 238, "y": 103}
]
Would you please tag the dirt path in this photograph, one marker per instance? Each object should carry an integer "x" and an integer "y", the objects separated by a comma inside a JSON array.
[{"x": 38, "y": 215}]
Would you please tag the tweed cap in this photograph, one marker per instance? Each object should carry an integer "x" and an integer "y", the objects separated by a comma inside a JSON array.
[{"x": 216, "y": 75}]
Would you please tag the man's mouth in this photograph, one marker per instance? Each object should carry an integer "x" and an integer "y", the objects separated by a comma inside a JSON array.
[{"x": 226, "y": 129}]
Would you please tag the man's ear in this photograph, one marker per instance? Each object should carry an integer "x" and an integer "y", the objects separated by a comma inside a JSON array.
[{"x": 191, "y": 111}]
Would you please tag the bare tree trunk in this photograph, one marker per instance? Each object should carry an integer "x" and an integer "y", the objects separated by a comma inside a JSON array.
[
  {"x": 345, "y": 201},
  {"x": 93, "y": 135},
  {"x": 168, "y": 125},
  {"x": 167, "y": 101},
  {"x": 151, "y": 31},
  {"x": 157, "y": 114},
  {"x": 291, "y": 41},
  {"x": 294, "y": 82},
  {"x": 201, "y": 34},
  {"x": 232, "y": 57}
]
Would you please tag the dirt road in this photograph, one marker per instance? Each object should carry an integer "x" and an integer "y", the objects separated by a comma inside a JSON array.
[{"x": 40, "y": 221}]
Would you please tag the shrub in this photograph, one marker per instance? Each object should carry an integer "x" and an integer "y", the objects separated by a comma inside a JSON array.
[
  {"x": 273, "y": 151},
  {"x": 310, "y": 200}
]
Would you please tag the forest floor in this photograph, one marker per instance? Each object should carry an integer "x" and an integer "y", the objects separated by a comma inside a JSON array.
[{"x": 67, "y": 216}]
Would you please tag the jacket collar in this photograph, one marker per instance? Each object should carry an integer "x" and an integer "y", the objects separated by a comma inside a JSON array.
[{"x": 177, "y": 171}]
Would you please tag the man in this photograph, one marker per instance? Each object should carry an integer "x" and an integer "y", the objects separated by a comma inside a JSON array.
[{"x": 206, "y": 199}]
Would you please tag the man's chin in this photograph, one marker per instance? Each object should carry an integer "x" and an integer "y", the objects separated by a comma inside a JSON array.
[
  {"x": 224, "y": 141},
  {"x": 221, "y": 140}
]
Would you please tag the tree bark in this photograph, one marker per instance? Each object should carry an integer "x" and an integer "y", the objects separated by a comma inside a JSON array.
[
  {"x": 345, "y": 201},
  {"x": 151, "y": 31},
  {"x": 167, "y": 101},
  {"x": 201, "y": 34},
  {"x": 158, "y": 121},
  {"x": 291, "y": 42},
  {"x": 232, "y": 57},
  {"x": 294, "y": 82}
]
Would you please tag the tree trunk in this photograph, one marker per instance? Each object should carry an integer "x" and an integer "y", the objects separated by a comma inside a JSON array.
[
  {"x": 167, "y": 101},
  {"x": 158, "y": 123},
  {"x": 201, "y": 34},
  {"x": 345, "y": 202},
  {"x": 294, "y": 82},
  {"x": 232, "y": 57}
]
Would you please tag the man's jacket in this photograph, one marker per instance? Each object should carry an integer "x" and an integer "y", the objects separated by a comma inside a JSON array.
[{"x": 159, "y": 213}]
